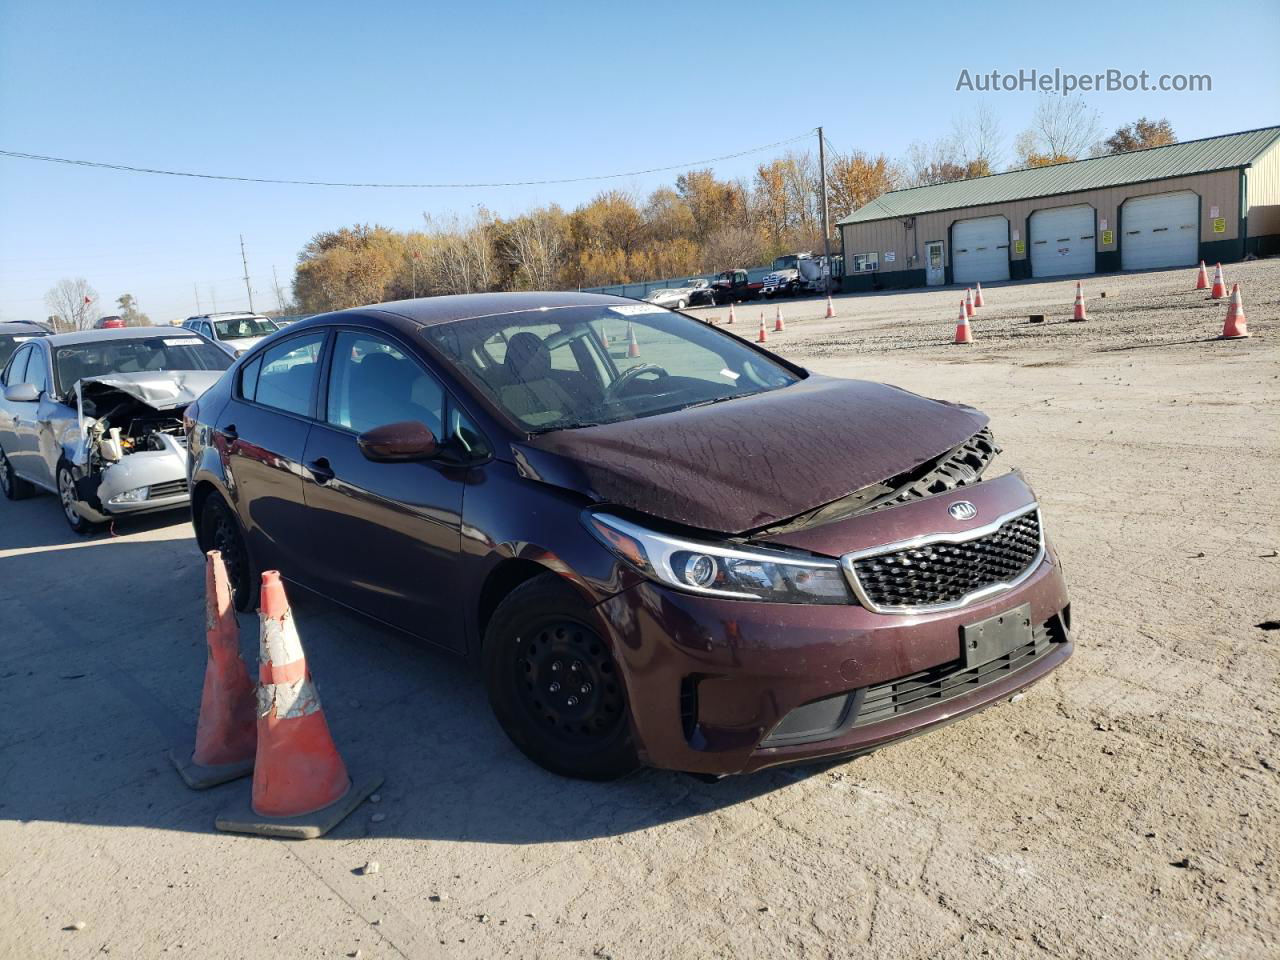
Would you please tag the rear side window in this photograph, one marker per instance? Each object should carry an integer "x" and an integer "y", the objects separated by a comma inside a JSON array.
[
  {"x": 249, "y": 378},
  {"x": 286, "y": 378}
]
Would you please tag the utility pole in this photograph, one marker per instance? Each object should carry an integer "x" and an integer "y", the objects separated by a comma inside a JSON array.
[
  {"x": 246, "y": 269},
  {"x": 279, "y": 294},
  {"x": 826, "y": 231},
  {"x": 196, "y": 288},
  {"x": 213, "y": 295}
]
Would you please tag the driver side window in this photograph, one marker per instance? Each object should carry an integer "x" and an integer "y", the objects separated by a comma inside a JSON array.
[
  {"x": 373, "y": 383},
  {"x": 17, "y": 367}
]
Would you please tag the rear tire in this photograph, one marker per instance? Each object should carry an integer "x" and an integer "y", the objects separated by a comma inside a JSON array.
[
  {"x": 554, "y": 686},
  {"x": 14, "y": 487},
  {"x": 220, "y": 530}
]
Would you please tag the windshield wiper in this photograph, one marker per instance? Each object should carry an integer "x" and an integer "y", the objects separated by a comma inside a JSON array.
[{"x": 707, "y": 403}]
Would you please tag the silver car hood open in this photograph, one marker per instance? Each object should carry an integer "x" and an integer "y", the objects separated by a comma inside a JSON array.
[{"x": 163, "y": 390}]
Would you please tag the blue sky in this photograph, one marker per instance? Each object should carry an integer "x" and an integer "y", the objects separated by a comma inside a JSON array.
[{"x": 501, "y": 91}]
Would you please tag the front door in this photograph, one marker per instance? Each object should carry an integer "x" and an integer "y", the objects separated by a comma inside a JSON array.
[
  {"x": 389, "y": 533},
  {"x": 934, "y": 263}
]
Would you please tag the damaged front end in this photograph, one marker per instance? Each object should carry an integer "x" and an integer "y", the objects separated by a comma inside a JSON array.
[{"x": 130, "y": 455}]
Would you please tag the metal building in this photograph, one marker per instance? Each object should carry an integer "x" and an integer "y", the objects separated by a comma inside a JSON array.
[{"x": 1216, "y": 199}]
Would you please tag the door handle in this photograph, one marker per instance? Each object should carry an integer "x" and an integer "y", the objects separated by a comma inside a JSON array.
[
  {"x": 229, "y": 431},
  {"x": 321, "y": 472}
]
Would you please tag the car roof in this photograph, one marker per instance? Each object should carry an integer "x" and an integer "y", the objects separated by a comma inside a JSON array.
[
  {"x": 23, "y": 326},
  {"x": 430, "y": 311},
  {"x": 114, "y": 333}
]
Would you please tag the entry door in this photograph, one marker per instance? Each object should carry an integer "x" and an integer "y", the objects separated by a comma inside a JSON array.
[
  {"x": 935, "y": 263},
  {"x": 1062, "y": 241},
  {"x": 1160, "y": 231},
  {"x": 980, "y": 249},
  {"x": 386, "y": 535}
]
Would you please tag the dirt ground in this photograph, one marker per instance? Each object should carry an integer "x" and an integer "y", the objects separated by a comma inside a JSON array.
[{"x": 1126, "y": 807}]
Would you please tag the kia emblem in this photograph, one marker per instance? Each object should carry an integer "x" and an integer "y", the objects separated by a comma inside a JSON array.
[{"x": 962, "y": 510}]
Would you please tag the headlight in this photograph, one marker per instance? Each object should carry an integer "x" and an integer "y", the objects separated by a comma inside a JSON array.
[
  {"x": 136, "y": 495},
  {"x": 722, "y": 571}
]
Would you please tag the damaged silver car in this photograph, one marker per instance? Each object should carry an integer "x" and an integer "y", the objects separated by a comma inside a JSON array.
[{"x": 96, "y": 417}]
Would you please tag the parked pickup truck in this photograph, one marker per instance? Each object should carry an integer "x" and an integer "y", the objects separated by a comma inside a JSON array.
[{"x": 733, "y": 286}]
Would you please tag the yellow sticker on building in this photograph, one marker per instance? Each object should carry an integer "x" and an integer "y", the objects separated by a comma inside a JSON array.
[
  {"x": 1019, "y": 246},
  {"x": 1219, "y": 224},
  {"x": 1108, "y": 237}
]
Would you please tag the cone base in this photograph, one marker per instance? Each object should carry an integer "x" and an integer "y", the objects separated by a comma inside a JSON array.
[
  {"x": 308, "y": 826},
  {"x": 1078, "y": 320},
  {"x": 197, "y": 776},
  {"x": 1232, "y": 336}
]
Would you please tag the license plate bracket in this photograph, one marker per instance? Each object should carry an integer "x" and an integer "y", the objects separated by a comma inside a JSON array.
[{"x": 996, "y": 636}]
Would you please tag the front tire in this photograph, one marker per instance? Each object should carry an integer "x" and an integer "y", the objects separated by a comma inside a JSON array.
[
  {"x": 67, "y": 496},
  {"x": 220, "y": 530},
  {"x": 13, "y": 486},
  {"x": 554, "y": 686}
]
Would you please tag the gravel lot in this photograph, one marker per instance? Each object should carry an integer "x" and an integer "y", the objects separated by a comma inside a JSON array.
[{"x": 1126, "y": 807}]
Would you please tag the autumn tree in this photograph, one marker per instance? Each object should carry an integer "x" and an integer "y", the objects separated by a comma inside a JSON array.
[
  {"x": 129, "y": 312},
  {"x": 534, "y": 247},
  {"x": 1139, "y": 135},
  {"x": 72, "y": 305},
  {"x": 855, "y": 179},
  {"x": 346, "y": 268},
  {"x": 1062, "y": 129}
]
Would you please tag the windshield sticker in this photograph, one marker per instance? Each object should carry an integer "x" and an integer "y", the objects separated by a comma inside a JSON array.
[
  {"x": 183, "y": 342},
  {"x": 635, "y": 309},
  {"x": 726, "y": 372},
  {"x": 22, "y": 339}
]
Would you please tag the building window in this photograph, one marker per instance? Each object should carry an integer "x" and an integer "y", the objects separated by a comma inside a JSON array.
[{"x": 862, "y": 262}]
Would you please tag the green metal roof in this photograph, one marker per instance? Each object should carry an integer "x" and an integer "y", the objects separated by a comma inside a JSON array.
[{"x": 1157, "y": 163}]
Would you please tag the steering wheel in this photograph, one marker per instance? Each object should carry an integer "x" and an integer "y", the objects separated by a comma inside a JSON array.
[{"x": 627, "y": 376}]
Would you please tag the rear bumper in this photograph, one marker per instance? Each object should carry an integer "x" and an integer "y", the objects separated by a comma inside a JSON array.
[{"x": 710, "y": 679}]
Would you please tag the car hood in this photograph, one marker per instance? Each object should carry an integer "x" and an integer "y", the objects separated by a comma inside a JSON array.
[
  {"x": 241, "y": 343},
  {"x": 747, "y": 463},
  {"x": 163, "y": 390}
]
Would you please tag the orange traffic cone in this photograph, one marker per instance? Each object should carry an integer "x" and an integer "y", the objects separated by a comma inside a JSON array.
[
  {"x": 1202, "y": 278},
  {"x": 730, "y": 320},
  {"x": 968, "y": 302},
  {"x": 1079, "y": 313},
  {"x": 301, "y": 787},
  {"x": 777, "y": 320},
  {"x": 831, "y": 307},
  {"x": 226, "y": 735},
  {"x": 1236, "y": 328},
  {"x": 762, "y": 337},
  {"x": 633, "y": 348},
  {"x": 1219, "y": 285},
  {"x": 977, "y": 297},
  {"x": 604, "y": 337},
  {"x": 964, "y": 333}
]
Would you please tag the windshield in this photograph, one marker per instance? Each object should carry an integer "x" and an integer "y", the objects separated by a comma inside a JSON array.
[
  {"x": 580, "y": 366},
  {"x": 10, "y": 342},
  {"x": 240, "y": 327},
  {"x": 141, "y": 355}
]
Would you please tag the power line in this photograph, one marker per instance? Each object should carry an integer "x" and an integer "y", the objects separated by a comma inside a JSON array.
[{"x": 125, "y": 168}]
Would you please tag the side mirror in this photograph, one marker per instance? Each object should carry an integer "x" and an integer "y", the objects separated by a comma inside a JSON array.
[
  {"x": 22, "y": 393},
  {"x": 406, "y": 440}
]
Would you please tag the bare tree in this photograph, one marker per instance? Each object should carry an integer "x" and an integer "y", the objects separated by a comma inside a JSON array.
[
  {"x": 535, "y": 245},
  {"x": 1062, "y": 129},
  {"x": 978, "y": 139},
  {"x": 73, "y": 304},
  {"x": 731, "y": 247},
  {"x": 461, "y": 259}
]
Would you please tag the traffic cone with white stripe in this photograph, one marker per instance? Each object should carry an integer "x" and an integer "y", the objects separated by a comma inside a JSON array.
[
  {"x": 1202, "y": 278},
  {"x": 1219, "y": 285},
  {"x": 977, "y": 296},
  {"x": 301, "y": 787},
  {"x": 778, "y": 326},
  {"x": 968, "y": 302},
  {"x": 1236, "y": 328},
  {"x": 831, "y": 307},
  {"x": 1079, "y": 313},
  {"x": 762, "y": 337},
  {"x": 964, "y": 333},
  {"x": 633, "y": 347},
  {"x": 226, "y": 734}
]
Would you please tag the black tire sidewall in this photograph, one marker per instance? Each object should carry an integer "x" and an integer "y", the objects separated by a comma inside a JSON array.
[
  {"x": 213, "y": 513},
  {"x": 81, "y": 525},
  {"x": 545, "y": 598}
]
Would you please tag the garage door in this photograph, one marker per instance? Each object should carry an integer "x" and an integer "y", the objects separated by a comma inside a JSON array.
[
  {"x": 1062, "y": 241},
  {"x": 1160, "y": 231},
  {"x": 980, "y": 249}
]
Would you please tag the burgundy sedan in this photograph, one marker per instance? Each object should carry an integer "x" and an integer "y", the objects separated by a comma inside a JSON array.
[{"x": 662, "y": 544}]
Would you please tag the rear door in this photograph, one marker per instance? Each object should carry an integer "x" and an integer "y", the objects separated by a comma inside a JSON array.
[
  {"x": 385, "y": 536},
  {"x": 263, "y": 429}
]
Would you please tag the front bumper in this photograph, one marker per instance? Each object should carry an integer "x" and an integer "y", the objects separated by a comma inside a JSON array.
[{"x": 162, "y": 472}]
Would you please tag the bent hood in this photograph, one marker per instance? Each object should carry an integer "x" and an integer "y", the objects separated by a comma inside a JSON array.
[
  {"x": 161, "y": 390},
  {"x": 743, "y": 464}
]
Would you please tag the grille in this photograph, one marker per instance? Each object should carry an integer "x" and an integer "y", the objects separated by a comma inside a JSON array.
[
  {"x": 928, "y": 687},
  {"x": 170, "y": 488},
  {"x": 942, "y": 573},
  {"x": 965, "y": 464}
]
